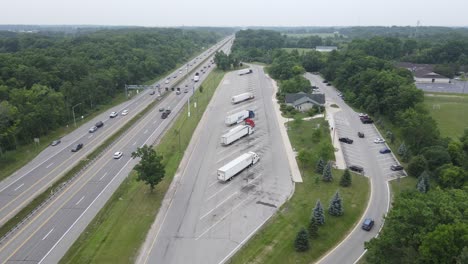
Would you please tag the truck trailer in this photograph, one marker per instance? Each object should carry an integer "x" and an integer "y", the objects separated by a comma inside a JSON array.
[
  {"x": 234, "y": 167},
  {"x": 238, "y": 132},
  {"x": 241, "y": 97},
  {"x": 244, "y": 71},
  {"x": 238, "y": 117}
]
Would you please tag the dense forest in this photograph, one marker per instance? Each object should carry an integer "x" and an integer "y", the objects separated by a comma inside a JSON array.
[
  {"x": 430, "y": 223},
  {"x": 43, "y": 75}
]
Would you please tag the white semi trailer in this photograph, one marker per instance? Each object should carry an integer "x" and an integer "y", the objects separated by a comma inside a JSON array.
[
  {"x": 241, "y": 97},
  {"x": 238, "y": 132},
  {"x": 244, "y": 71},
  {"x": 231, "y": 169},
  {"x": 238, "y": 117}
]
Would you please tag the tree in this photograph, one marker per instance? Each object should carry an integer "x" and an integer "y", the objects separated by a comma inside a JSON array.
[
  {"x": 327, "y": 174},
  {"x": 403, "y": 151},
  {"x": 150, "y": 169},
  {"x": 320, "y": 166},
  {"x": 445, "y": 243},
  {"x": 201, "y": 88},
  {"x": 301, "y": 243},
  {"x": 451, "y": 176},
  {"x": 423, "y": 182},
  {"x": 345, "y": 180},
  {"x": 417, "y": 165},
  {"x": 336, "y": 206},
  {"x": 313, "y": 227},
  {"x": 318, "y": 213}
]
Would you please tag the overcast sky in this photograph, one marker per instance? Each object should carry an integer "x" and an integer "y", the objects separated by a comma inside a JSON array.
[{"x": 161, "y": 13}]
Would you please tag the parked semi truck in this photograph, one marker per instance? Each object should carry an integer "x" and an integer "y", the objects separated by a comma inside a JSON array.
[
  {"x": 238, "y": 132},
  {"x": 234, "y": 167},
  {"x": 244, "y": 71},
  {"x": 241, "y": 97},
  {"x": 238, "y": 117}
]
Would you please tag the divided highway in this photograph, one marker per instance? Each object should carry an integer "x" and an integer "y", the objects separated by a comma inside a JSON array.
[{"x": 51, "y": 231}]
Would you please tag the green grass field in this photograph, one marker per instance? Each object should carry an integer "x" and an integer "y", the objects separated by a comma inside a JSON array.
[
  {"x": 450, "y": 111},
  {"x": 119, "y": 229},
  {"x": 274, "y": 242}
]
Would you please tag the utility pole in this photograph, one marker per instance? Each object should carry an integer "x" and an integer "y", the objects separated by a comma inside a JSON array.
[{"x": 73, "y": 110}]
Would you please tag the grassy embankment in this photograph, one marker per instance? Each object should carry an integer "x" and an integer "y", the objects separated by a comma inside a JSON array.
[
  {"x": 118, "y": 230},
  {"x": 274, "y": 242}
]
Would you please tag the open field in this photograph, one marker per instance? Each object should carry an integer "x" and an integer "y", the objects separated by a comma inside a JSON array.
[
  {"x": 116, "y": 233},
  {"x": 449, "y": 111}
]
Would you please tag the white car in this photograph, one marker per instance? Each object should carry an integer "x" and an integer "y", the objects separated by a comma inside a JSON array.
[
  {"x": 362, "y": 115},
  {"x": 92, "y": 129},
  {"x": 166, "y": 82},
  {"x": 379, "y": 140},
  {"x": 113, "y": 114},
  {"x": 118, "y": 155},
  {"x": 124, "y": 112}
]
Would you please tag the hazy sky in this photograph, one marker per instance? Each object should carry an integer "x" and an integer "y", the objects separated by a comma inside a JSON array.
[{"x": 236, "y": 13}]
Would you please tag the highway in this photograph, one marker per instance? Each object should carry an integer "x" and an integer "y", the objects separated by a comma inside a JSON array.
[
  {"x": 365, "y": 153},
  {"x": 207, "y": 221},
  {"x": 46, "y": 237},
  {"x": 34, "y": 178}
]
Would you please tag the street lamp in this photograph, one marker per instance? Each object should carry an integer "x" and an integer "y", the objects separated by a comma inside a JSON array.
[{"x": 73, "y": 110}]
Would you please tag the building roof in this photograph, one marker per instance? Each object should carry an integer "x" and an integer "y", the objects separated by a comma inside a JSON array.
[
  {"x": 421, "y": 70},
  {"x": 325, "y": 48},
  {"x": 300, "y": 98}
]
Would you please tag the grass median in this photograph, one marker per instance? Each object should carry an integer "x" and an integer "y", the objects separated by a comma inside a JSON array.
[
  {"x": 119, "y": 229},
  {"x": 274, "y": 243}
]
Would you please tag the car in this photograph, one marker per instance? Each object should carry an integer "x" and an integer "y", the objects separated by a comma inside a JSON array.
[
  {"x": 186, "y": 91},
  {"x": 324, "y": 81},
  {"x": 166, "y": 81},
  {"x": 368, "y": 224},
  {"x": 113, "y": 114},
  {"x": 360, "y": 134},
  {"x": 175, "y": 76},
  {"x": 396, "y": 167},
  {"x": 346, "y": 140},
  {"x": 118, "y": 155},
  {"x": 379, "y": 140},
  {"x": 362, "y": 115},
  {"x": 152, "y": 93},
  {"x": 385, "y": 151},
  {"x": 161, "y": 109},
  {"x": 356, "y": 168},
  {"x": 366, "y": 120},
  {"x": 165, "y": 114},
  {"x": 177, "y": 92},
  {"x": 77, "y": 147},
  {"x": 328, "y": 84},
  {"x": 99, "y": 124},
  {"x": 92, "y": 129},
  {"x": 55, "y": 142},
  {"x": 124, "y": 112}
]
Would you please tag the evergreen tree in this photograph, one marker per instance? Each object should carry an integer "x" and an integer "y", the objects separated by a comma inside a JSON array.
[
  {"x": 423, "y": 182},
  {"x": 345, "y": 180},
  {"x": 327, "y": 174},
  {"x": 320, "y": 166},
  {"x": 402, "y": 149},
  {"x": 318, "y": 213},
  {"x": 313, "y": 227},
  {"x": 336, "y": 207},
  {"x": 302, "y": 241}
]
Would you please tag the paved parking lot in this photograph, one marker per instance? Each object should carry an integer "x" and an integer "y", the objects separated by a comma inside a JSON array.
[{"x": 454, "y": 87}]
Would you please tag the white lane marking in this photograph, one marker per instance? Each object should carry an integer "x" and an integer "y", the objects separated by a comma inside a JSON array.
[
  {"x": 19, "y": 187},
  {"x": 213, "y": 183},
  {"x": 48, "y": 166},
  {"x": 80, "y": 200},
  {"x": 90, "y": 136},
  {"x": 226, "y": 156},
  {"x": 209, "y": 212},
  {"x": 155, "y": 121},
  {"x": 209, "y": 198},
  {"x": 146, "y": 131},
  {"x": 222, "y": 218},
  {"x": 48, "y": 234},
  {"x": 106, "y": 173},
  {"x": 134, "y": 143}
]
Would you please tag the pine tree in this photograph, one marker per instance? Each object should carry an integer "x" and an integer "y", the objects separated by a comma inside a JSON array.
[
  {"x": 336, "y": 207},
  {"x": 402, "y": 149},
  {"x": 345, "y": 180},
  {"x": 302, "y": 241},
  {"x": 318, "y": 213},
  {"x": 320, "y": 165},
  {"x": 423, "y": 182},
  {"x": 327, "y": 174},
  {"x": 313, "y": 227}
]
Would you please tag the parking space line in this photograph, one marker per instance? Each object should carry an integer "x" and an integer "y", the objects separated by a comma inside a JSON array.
[
  {"x": 209, "y": 212},
  {"x": 216, "y": 193}
]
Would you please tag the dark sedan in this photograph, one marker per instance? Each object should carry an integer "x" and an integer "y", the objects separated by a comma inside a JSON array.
[{"x": 346, "y": 140}]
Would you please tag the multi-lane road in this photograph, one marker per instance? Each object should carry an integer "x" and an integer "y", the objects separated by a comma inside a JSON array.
[
  {"x": 208, "y": 220},
  {"x": 52, "y": 230}
]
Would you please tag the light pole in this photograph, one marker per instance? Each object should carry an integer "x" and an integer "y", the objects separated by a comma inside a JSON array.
[{"x": 73, "y": 110}]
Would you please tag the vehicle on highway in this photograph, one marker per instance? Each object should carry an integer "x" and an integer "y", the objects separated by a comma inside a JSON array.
[
  {"x": 99, "y": 124},
  {"x": 396, "y": 167},
  {"x": 238, "y": 117},
  {"x": 55, "y": 142},
  {"x": 356, "y": 168},
  {"x": 113, "y": 114},
  {"x": 186, "y": 91},
  {"x": 238, "y": 132},
  {"x": 124, "y": 112},
  {"x": 93, "y": 129},
  {"x": 152, "y": 92},
  {"x": 368, "y": 224},
  {"x": 379, "y": 140},
  {"x": 237, "y": 165},
  {"x": 161, "y": 109},
  {"x": 77, "y": 147},
  {"x": 118, "y": 155},
  {"x": 165, "y": 114},
  {"x": 177, "y": 92},
  {"x": 360, "y": 134},
  {"x": 385, "y": 151},
  {"x": 241, "y": 97},
  {"x": 346, "y": 140}
]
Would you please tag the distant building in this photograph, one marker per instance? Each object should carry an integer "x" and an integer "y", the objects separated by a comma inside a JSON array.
[
  {"x": 304, "y": 101},
  {"x": 325, "y": 48},
  {"x": 424, "y": 73}
]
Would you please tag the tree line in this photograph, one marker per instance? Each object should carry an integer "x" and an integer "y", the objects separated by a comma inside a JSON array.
[{"x": 43, "y": 76}]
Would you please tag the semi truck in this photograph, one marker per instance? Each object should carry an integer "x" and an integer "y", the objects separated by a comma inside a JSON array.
[
  {"x": 237, "y": 165},
  {"x": 238, "y": 132},
  {"x": 238, "y": 117},
  {"x": 244, "y": 71},
  {"x": 241, "y": 97}
]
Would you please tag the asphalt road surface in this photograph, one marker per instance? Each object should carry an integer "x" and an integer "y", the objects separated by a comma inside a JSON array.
[
  {"x": 46, "y": 237},
  {"x": 454, "y": 87},
  {"x": 363, "y": 152},
  {"x": 208, "y": 220}
]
